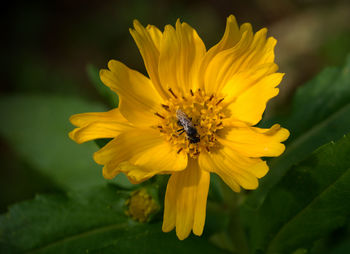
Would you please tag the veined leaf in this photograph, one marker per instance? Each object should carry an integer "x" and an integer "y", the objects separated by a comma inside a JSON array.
[
  {"x": 310, "y": 201},
  {"x": 87, "y": 222},
  {"x": 37, "y": 127}
]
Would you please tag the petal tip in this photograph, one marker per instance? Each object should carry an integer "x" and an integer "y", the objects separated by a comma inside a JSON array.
[
  {"x": 76, "y": 136},
  {"x": 136, "y": 24},
  {"x": 167, "y": 227},
  {"x": 132, "y": 31},
  {"x": 71, "y": 135},
  {"x": 286, "y": 134},
  {"x": 109, "y": 173},
  {"x": 72, "y": 119},
  {"x": 182, "y": 234},
  {"x": 231, "y": 18},
  {"x": 112, "y": 64},
  {"x": 103, "y": 72},
  {"x": 178, "y": 22},
  {"x": 198, "y": 229},
  {"x": 96, "y": 158}
]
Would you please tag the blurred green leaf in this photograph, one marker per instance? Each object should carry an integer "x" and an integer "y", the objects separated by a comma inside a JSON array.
[
  {"x": 334, "y": 48},
  {"x": 309, "y": 202},
  {"x": 320, "y": 114},
  {"x": 102, "y": 142},
  {"x": 216, "y": 192},
  {"x": 343, "y": 248},
  {"x": 339, "y": 239},
  {"x": 122, "y": 181},
  {"x": 94, "y": 76},
  {"x": 37, "y": 127},
  {"x": 87, "y": 222}
]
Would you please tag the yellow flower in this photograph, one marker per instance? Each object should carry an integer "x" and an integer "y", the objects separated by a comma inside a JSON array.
[{"x": 193, "y": 116}]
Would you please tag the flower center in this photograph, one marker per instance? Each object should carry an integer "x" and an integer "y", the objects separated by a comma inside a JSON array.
[{"x": 191, "y": 123}]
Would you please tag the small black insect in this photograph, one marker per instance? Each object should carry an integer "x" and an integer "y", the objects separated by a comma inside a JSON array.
[{"x": 187, "y": 126}]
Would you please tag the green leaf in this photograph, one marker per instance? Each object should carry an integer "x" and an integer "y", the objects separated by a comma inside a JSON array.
[
  {"x": 122, "y": 181},
  {"x": 110, "y": 97},
  {"x": 320, "y": 114},
  {"x": 102, "y": 142},
  {"x": 87, "y": 222},
  {"x": 37, "y": 127},
  {"x": 310, "y": 201},
  {"x": 342, "y": 248}
]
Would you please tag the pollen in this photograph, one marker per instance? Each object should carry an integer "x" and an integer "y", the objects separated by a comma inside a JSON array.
[
  {"x": 206, "y": 114},
  {"x": 141, "y": 206}
]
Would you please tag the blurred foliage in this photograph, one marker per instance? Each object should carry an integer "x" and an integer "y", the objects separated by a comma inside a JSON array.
[
  {"x": 41, "y": 138},
  {"x": 53, "y": 51},
  {"x": 308, "y": 203},
  {"x": 91, "y": 221}
]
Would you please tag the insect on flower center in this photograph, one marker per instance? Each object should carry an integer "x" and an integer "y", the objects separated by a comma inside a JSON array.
[{"x": 190, "y": 123}]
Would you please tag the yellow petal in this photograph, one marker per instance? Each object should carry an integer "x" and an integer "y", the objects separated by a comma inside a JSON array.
[
  {"x": 224, "y": 65},
  {"x": 234, "y": 169},
  {"x": 138, "y": 98},
  {"x": 148, "y": 42},
  {"x": 249, "y": 53},
  {"x": 251, "y": 104},
  {"x": 229, "y": 39},
  {"x": 259, "y": 52},
  {"x": 156, "y": 35},
  {"x": 84, "y": 119},
  {"x": 169, "y": 218},
  {"x": 98, "y": 125},
  {"x": 181, "y": 52},
  {"x": 201, "y": 202},
  {"x": 242, "y": 81},
  {"x": 206, "y": 162},
  {"x": 96, "y": 131},
  {"x": 140, "y": 154},
  {"x": 185, "y": 201},
  {"x": 256, "y": 142}
]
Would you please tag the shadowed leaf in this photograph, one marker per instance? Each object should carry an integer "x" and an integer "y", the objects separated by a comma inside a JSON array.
[
  {"x": 87, "y": 222},
  {"x": 37, "y": 127},
  {"x": 310, "y": 201}
]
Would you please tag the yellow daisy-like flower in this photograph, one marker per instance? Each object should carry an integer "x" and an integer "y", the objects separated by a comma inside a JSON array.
[{"x": 193, "y": 116}]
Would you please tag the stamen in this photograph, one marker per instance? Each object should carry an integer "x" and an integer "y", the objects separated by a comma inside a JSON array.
[
  {"x": 159, "y": 115},
  {"x": 219, "y": 101},
  {"x": 171, "y": 91},
  {"x": 180, "y": 131},
  {"x": 211, "y": 97},
  {"x": 160, "y": 127},
  {"x": 196, "y": 154},
  {"x": 180, "y": 150},
  {"x": 191, "y": 92},
  {"x": 166, "y": 107},
  {"x": 207, "y": 149},
  {"x": 219, "y": 124}
]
